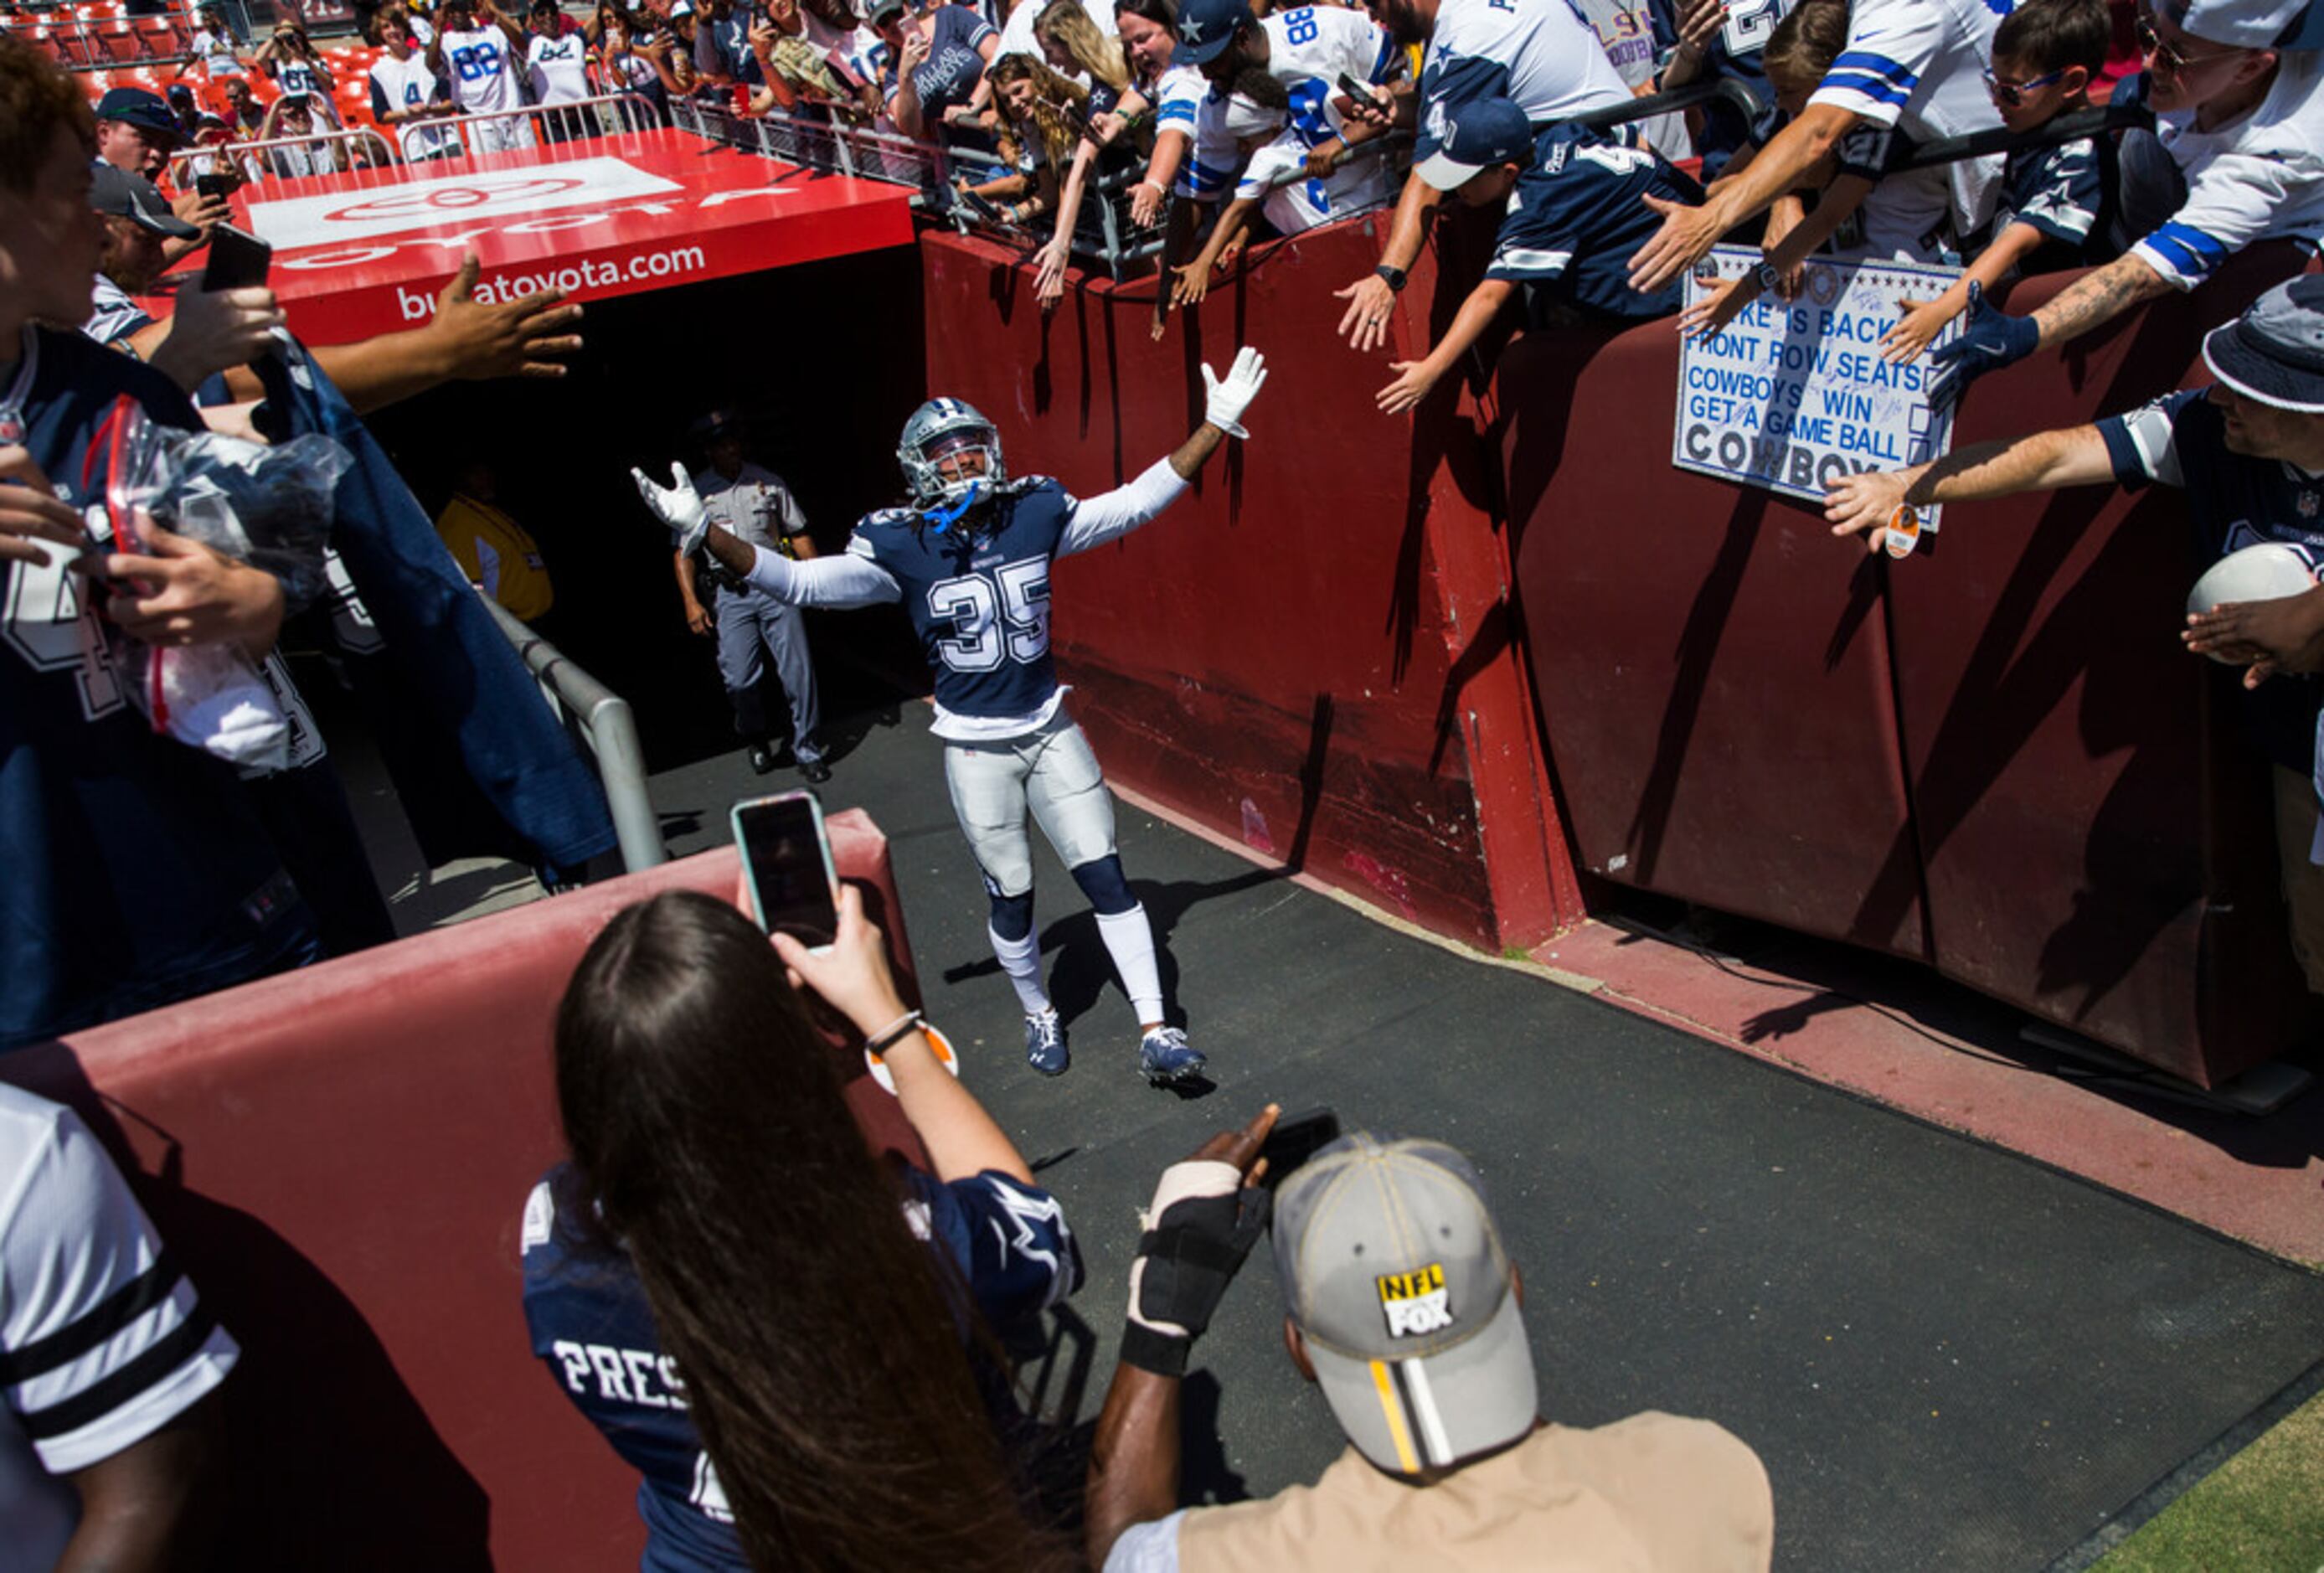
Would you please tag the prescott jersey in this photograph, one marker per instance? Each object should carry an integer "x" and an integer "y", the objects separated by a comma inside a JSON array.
[
  {"x": 476, "y": 63},
  {"x": 2066, "y": 193},
  {"x": 2261, "y": 177},
  {"x": 137, "y": 871},
  {"x": 1542, "y": 53},
  {"x": 592, "y": 1327},
  {"x": 1576, "y": 216},
  {"x": 556, "y": 69},
  {"x": 102, "y": 1339},
  {"x": 1308, "y": 51},
  {"x": 400, "y": 86},
  {"x": 1918, "y": 66},
  {"x": 2233, "y": 500}
]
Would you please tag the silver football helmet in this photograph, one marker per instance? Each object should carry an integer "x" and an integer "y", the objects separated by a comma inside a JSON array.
[{"x": 937, "y": 430}]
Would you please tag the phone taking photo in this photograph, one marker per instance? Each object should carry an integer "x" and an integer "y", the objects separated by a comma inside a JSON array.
[
  {"x": 238, "y": 260},
  {"x": 787, "y": 867},
  {"x": 1295, "y": 1140}
]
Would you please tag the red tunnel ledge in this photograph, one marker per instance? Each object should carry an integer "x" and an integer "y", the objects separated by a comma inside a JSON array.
[
  {"x": 1311, "y": 657},
  {"x": 367, "y": 252}
]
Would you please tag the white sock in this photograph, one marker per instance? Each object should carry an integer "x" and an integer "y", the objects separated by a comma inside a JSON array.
[
  {"x": 1130, "y": 940},
  {"x": 1021, "y": 960}
]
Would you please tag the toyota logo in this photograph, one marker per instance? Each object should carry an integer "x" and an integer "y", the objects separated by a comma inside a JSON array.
[{"x": 452, "y": 199}]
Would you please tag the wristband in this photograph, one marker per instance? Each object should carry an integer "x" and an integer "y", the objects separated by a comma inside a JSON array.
[
  {"x": 1159, "y": 1353},
  {"x": 1394, "y": 277},
  {"x": 1769, "y": 276},
  {"x": 894, "y": 1033}
]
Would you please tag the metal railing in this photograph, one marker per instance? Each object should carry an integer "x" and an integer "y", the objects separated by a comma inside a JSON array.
[
  {"x": 438, "y": 145},
  {"x": 604, "y": 724}
]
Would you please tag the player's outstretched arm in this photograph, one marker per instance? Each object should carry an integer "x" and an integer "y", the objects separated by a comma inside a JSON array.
[
  {"x": 1111, "y": 514},
  {"x": 847, "y": 580}
]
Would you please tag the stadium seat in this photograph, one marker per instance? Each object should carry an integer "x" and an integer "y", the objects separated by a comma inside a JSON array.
[{"x": 340, "y": 1158}]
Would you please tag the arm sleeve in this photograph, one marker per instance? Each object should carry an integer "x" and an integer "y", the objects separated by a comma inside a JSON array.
[
  {"x": 1180, "y": 89},
  {"x": 103, "y": 1341},
  {"x": 380, "y": 108},
  {"x": 1021, "y": 1255},
  {"x": 1207, "y": 173},
  {"x": 850, "y": 579},
  {"x": 2232, "y": 201},
  {"x": 1890, "y": 43},
  {"x": 1110, "y": 516},
  {"x": 2142, "y": 443}
]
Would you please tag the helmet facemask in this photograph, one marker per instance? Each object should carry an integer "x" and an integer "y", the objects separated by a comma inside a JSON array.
[{"x": 951, "y": 459}]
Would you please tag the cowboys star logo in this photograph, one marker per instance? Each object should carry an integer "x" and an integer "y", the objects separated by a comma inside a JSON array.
[{"x": 1190, "y": 31}]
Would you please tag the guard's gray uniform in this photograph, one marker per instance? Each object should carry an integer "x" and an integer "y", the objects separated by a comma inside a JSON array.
[{"x": 757, "y": 507}]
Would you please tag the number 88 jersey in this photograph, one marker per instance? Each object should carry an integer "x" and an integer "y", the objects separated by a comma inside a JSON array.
[{"x": 978, "y": 602}]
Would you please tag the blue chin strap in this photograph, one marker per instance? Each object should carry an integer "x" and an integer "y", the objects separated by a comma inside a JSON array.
[{"x": 943, "y": 519}]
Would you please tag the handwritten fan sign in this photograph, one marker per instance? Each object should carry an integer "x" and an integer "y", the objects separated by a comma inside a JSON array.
[{"x": 1795, "y": 394}]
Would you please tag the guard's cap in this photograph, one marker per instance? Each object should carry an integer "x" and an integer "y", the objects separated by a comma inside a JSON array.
[
  {"x": 2274, "y": 352},
  {"x": 123, "y": 195},
  {"x": 1394, "y": 1271},
  {"x": 1206, "y": 28},
  {"x": 1472, "y": 135},
  {"x": 138, "y": 107},
  {"x": 715, "y": 425}
]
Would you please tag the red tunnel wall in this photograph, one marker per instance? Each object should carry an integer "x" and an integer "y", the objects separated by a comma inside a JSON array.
[
  {"x": 1311, "y": 656},
  {"x": 1995, "y": 757}
]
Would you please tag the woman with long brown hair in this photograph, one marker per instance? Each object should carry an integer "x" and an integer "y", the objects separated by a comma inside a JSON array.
[{"x": 772, "y": 1327}]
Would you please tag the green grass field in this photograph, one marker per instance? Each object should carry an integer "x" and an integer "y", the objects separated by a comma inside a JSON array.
[{"x": 2262, "y": 1512}]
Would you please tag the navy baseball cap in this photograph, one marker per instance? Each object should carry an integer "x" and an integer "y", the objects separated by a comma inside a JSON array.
[
  {"x": 144, "y": 110},
  {"x": 1206, "y": 28},
  {"x": 1460, "y": 139},
  {"x": 124, "y": 195},
  {"x": 2274, "y": 352}
]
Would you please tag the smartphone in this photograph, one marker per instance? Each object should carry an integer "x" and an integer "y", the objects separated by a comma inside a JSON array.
[
  {"x": 1295, "y": 1140},
  {"x": 1361, "y": 96},
  {"x": 215, "y": 188},
  {"x": 238, "y": 260},
  {"x": 787, "y": 866}
]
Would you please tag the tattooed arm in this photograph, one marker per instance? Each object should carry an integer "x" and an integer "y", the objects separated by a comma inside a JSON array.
[{"x": 2098, "y": 298}]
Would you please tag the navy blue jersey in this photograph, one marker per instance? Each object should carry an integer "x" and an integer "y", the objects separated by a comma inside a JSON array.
[
  {"x": 981, "y": 602},
  {"x": 134, "y": 870},
  {"x": 592, "y": 1327},
  {"x": 1578, "y": 215},
  {"x": 2233, "y": 500},
  {"x": 2066, "y": 193}
]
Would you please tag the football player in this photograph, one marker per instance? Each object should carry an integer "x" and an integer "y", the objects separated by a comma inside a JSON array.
[{"x": 969, "y": 558}]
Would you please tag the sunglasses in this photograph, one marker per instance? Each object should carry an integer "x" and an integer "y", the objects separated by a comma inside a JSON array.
[
  {"x": 2168, "y": 59},
  {"x": 2009, "y": 94}
]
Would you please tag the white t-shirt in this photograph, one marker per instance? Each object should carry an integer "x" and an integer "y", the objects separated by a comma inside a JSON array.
[
  {"x": 1919, "y": 65},
  {"x": 476, "y": 63},
  {"x": 558, "y": 69},
  {"x": 2261, "y": 177},
  {"x": 1540, "y": 53},
  {"x": 73, "y": 1238},
  {"x": 408, "y": 84}
]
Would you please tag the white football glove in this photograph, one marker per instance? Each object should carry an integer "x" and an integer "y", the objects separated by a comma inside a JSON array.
[
  {"x": 1232, "y": 394},
  {"x": 677, "y": 507}
]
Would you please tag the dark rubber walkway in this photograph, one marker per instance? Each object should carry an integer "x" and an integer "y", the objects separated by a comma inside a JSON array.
[{"x": 1948, "y": 1356}]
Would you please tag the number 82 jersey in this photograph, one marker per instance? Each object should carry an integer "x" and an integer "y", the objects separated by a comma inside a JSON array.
[{"x": 980, "y": 601}]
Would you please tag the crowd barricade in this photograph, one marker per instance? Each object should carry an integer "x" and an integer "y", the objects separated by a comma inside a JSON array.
[
  {"x": 266, "y": 164},
  {"x": 339, "y": 1158}
]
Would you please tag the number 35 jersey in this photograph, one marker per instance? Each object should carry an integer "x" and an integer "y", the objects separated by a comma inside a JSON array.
[{"x": 980, "y": 601}]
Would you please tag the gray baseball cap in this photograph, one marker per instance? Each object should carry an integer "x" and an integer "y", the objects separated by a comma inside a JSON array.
[
  {"x": 2274, "y": 352},
  {"x": 1394, "y": 1271},
  {"x": 133, "y": 197}
]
